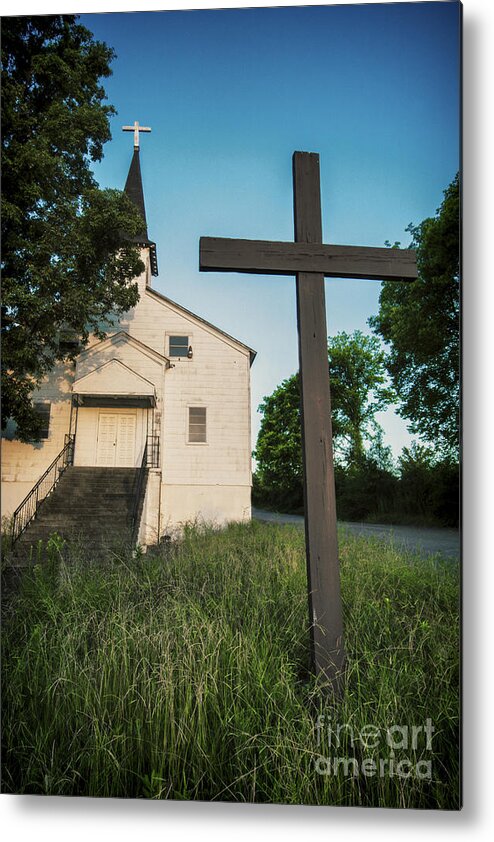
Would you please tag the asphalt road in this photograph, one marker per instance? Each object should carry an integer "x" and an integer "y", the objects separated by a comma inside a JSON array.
[{"x": 420, "y": 539}]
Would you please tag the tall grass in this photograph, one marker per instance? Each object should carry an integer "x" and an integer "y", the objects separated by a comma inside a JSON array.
[{"x": 185, "y": 674}]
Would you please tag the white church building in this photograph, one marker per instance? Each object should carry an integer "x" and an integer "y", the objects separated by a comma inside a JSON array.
[{"x": 165, "y": 386}]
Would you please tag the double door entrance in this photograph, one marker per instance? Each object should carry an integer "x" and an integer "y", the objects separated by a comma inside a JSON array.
[{"x": 116, "y": 445}]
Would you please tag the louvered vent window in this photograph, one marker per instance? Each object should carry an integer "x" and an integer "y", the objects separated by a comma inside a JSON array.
[
  {"x": 68, "y": 342},
  {"x": 197, "y": 424},
  {"x": 43, "y": 410}
]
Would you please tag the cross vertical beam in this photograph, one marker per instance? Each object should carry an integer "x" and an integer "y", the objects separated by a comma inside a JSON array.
[{"x": 325, "y": 612}]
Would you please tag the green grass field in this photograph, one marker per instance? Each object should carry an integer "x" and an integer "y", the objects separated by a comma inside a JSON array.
[{"x": 184, "y": 674}]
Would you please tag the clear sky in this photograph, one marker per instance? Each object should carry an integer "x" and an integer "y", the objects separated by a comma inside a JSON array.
[{"x": 230, "y": 95}]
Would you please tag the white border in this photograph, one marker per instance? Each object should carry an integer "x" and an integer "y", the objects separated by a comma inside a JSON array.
[{"x": 54, "y": 819}]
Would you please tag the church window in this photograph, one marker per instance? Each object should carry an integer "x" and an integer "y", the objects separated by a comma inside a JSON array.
[
  {"x": 68, "y": 342},
  {"x": 178, "y": 346},
  {"x": 197, "y": 424},
  {"x": 43, "y": 411}
]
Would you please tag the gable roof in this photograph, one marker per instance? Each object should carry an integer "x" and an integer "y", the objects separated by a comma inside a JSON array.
[
  {"x": 191, "y": 315},
  {"x": 107, "y": 378},
  {"x": 123, "y": 336}
]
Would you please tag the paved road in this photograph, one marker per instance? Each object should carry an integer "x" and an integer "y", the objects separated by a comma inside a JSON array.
[{"x": 425, "y": 540}]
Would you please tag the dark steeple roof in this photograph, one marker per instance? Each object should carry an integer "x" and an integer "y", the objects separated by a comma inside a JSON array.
[{"x": 133, "y": 188}]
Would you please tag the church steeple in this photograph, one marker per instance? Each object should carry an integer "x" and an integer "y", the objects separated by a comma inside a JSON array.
[{"x": 133, "y": 188}]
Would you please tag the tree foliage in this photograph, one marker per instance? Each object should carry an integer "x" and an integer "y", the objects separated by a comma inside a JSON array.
[
  {"x": 429, "y": 484},
  {"x": 279, "y": 446},
  {"x": 420, "y": 322},
  {"x": 67, "y": 259},
  {"x": 358, "y": 391}
]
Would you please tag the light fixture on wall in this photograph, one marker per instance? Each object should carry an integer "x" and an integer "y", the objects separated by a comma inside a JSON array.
[{"x": 189, "y": 352}]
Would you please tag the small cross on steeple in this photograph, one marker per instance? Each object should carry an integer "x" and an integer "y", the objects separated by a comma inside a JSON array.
[{"x": 136, "y": 128}]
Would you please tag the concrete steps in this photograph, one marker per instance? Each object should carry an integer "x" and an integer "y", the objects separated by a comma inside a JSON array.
[{"x": 90, "y": 505}]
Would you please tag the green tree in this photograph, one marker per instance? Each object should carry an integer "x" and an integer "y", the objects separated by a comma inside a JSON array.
[
  {"x": 67, "y": 257},
  {"x": 420, "y": 322},
  {"x": 429, "y": 485},
  {"x": 279, "y": 447},
  {"x": 358, "y": 391}
]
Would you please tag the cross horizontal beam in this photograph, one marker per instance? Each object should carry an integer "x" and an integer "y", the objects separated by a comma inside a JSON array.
[{"x": 218, "y": 254}]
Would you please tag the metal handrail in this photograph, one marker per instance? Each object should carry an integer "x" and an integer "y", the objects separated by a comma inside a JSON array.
[
  {"x": 153, "y": 451},
  {"x": 138, "y": 491},
  {"x": 28, "y": 509},
  {"x": 150, "y": 459}
]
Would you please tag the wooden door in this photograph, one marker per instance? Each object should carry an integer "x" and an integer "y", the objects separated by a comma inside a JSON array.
[
  {"x": 116, "y": 440},
  {"x": 126, "y": 441}
]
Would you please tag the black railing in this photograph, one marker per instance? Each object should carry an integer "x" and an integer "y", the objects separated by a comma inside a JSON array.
[
  {"x": 138, "y": 491},
  {"x": 28, "y": 509},
  {"x": 150, "y": 459},
  {"x": 153, "y": 451}
]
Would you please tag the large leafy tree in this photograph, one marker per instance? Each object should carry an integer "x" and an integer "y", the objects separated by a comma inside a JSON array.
[
  {"x": 67, "y": 257},
  {"x": 279, "y": 446},
  {"x": 420, "y": 322},
  {"x": 358, "y": 391}
]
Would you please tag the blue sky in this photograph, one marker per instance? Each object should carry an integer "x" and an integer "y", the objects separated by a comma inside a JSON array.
[{"x": 230, "y": 94}]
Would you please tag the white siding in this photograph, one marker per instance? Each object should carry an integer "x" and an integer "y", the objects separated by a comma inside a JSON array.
[
  {"x": 23, "y": 464},
  {"x": 217, "y": 377},
  {"x": 212, "y": 504}
]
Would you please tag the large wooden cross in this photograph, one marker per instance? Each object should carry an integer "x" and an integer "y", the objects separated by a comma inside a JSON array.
[{"x": 311, "y": 261}]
